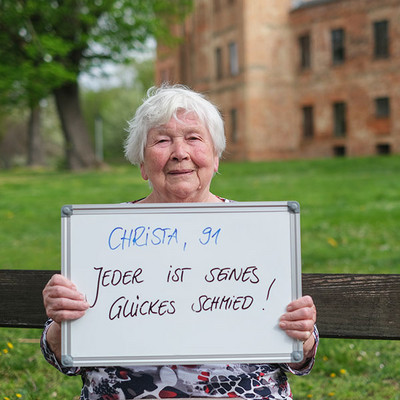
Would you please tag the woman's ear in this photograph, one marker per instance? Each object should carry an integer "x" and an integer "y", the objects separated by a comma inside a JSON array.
[
  {"x": 143, "y": 172},
  {"x": 216, "y": 163}
]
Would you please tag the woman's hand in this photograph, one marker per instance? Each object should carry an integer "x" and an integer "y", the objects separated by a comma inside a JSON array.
[
  {"x": 298, "y": 322},
  {"x": 63, "y": 302}
]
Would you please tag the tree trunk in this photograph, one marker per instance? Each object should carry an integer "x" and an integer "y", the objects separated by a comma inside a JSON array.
[
  {"x": 79, "y": 149},
  {"x": 36, "y": 152}
]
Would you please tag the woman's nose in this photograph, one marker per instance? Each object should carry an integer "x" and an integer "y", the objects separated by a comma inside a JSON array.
[{"x": 179, "y": 151}]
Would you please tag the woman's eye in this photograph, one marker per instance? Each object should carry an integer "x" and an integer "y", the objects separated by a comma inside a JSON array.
[{"x": 162, "y": 140}]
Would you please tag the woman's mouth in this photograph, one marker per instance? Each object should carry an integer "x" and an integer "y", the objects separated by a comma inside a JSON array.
[{"x": 178, "y": 172}]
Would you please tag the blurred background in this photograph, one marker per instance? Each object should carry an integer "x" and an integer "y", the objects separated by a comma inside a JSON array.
[{"x": 292, "y": 78}]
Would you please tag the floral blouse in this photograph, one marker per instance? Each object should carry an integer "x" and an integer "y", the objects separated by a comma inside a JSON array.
[{"x": 249, "y": 381}]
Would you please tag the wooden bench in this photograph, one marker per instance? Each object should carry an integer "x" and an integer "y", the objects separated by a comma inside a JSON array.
[{"x": 349, "y": 306}]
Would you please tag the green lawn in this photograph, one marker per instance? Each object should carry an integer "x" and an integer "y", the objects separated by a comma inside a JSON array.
[{"x": 350, "y": 213}]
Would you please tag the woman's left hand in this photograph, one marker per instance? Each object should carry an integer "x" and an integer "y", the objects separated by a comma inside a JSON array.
[{"x": 298, "y": 322}]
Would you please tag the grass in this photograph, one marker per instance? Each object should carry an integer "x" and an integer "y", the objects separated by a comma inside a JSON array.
[{"x": 350, "y": 210}]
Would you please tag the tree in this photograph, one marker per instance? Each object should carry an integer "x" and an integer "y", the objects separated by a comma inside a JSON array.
[
  {"x": 26, "y": 76},
  {"x": 53, "y": 41}
]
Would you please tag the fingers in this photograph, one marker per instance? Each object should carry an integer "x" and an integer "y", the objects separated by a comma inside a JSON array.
[
  {"x": 60, "y": 287},
  {"x": 302, "y": 332},
  {"x": 305, "y": 301},
  {"x": 298, "y": 322},
  {"x": 301, "y": 314},
  {"x": 62, "y": 300}
]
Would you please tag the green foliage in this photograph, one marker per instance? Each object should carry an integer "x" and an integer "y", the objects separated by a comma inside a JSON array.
[
  {"x": 144, "y": 74},
  {"x": 115, "y": 106},
  {"x": 352, "y": 370},
  {"x": 349, "y": 223},
  {"x": 44, "y": 44},
  {"x": 31, "y": 55},
  {"x": 349, "y": 208},
  {"x": 25, "y": 373}
]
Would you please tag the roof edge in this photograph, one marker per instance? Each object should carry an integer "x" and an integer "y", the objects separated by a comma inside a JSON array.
[{"x": 301, "y": 4}]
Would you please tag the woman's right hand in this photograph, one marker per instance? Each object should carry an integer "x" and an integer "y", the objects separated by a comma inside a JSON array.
[{"x": 62, "y": 300}]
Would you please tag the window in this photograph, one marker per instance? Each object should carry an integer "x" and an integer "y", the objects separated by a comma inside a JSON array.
[
  {"x": 305, "y": 55},
  {"x": 218, "y": 62},
  {"x": 233, "y": 59},
  {"x": 308, "y": 122},
  {"x": 234, "y": 130},
  {"x": 339, "y": 151},
  {"x": 383, "y": 148},
  {"x": 381, "y": 39},
  {"x": 339, "y": 117},
  {"x": 382, "y": 107},
  {"x": 338, "y": 50}
]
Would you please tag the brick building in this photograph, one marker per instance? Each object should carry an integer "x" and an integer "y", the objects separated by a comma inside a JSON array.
[{"x": 294, "y": 78}]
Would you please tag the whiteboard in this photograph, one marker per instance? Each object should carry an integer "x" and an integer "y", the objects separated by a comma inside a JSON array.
[{"x": 190, "y": 283}]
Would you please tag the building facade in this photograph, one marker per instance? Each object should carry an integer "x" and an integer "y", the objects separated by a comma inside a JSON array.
[{"x": 294, "y": 78}]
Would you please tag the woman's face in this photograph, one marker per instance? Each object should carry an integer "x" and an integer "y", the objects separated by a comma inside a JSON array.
[{"x": 180, "y": 161}]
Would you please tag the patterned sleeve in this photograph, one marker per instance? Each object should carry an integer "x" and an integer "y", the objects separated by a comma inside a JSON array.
[
  {"x": 309, "y": 363},
  {"x": 50, "y": 356}
]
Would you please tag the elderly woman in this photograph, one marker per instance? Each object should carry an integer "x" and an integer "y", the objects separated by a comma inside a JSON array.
[{"x": 177, "y": 138}]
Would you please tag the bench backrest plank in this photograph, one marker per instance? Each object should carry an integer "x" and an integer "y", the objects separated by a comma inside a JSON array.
[{"x": 349, "y": 306}]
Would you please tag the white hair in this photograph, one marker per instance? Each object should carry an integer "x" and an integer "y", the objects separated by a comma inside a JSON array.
[{"x": 163, "y": 103}]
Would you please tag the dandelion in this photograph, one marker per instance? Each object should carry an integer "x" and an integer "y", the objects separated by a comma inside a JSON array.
[
  {"x": 6, "y": 398},
  {"x": 332, "y": 242},
  {"x": 19, "y": 395},
  {"x": 10, "y": 345},
  {"x": 5, "y": 351},
  {"x": 343, "y": 371},
  {"x": 325, "y": 358},
  {"x": 309, "y": 396},
  {"x": 333, "y": 375},
  {"x": 331, "y": 394}
]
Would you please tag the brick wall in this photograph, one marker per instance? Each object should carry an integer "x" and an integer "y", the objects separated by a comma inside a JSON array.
[{"x": 264, "y": 96}]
